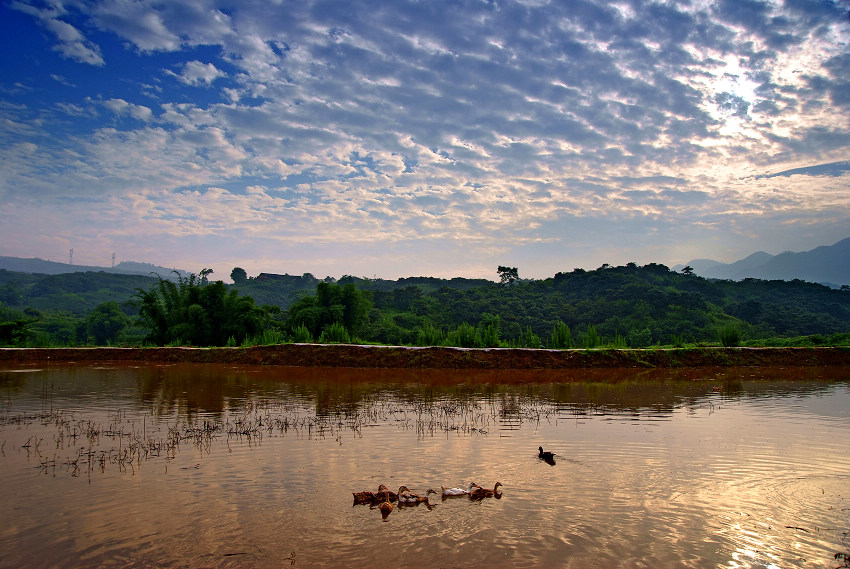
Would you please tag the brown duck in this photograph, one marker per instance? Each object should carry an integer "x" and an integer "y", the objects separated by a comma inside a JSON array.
[
  {"x": 368, "y": 497},
  {"x": 478, "y": 492}
]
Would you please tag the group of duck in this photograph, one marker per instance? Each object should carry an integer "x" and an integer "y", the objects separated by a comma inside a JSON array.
[{"x": 385, "y": 497}]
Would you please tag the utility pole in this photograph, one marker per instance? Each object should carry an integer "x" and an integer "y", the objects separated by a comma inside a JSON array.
[{"x": 70, "y": 256}]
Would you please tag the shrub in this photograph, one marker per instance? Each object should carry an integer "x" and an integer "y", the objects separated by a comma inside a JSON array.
[
  {"x": 464, "y": 336},
  {"x": 560, "y": 337},
  {"x": 640, "y": 338},
  {"x": 269, "y": 337},
  {"x": 528, "y": 339},
  {"x": 429, "y": 335},
  {"x": 490, "y": 336},
  {"x": 335, "y": 333},
  {"x": 592, "y": 339},
  {"x": 301, "y": 335},
  {"x": 730, "y": 336},
  {"x": 619, "y": 341}
]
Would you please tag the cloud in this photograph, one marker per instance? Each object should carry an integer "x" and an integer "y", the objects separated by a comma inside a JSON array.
[
  {"x": 122, "y": 108},
  {"x": 138, "y": 22},
  {"x": 197, "y": 73},
  {"x": 487, "y": 122},
  {"x": 734, "y": 104},
  {"x": 71, "y": 43}
]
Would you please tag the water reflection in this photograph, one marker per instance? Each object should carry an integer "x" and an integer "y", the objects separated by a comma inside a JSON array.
[
  {"x": 192, "y": 389},
  {"x": 231, "y": 466}
]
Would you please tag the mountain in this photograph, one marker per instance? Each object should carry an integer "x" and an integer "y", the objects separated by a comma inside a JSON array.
[
  {"x": 827, "y": 264},
  {"x": 40, "y": 266}
]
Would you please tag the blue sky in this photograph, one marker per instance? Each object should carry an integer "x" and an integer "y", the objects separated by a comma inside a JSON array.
[{"x": 411, "y": 138}]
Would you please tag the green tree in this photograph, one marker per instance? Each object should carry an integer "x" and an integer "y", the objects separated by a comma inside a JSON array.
[
  {"x": 508, "y": 275},
  {"x": 333, "y": 303},
  {"x": 592, "y": 339},
  {"x": 238, "y": 275},
  {"x": 197, "y": 313},
  {"x": 14, "y": 332},
  {"x": 730, "y": 335},
  {"x": 106, "y": 323},
  {"x": 560, "y": 339},
  {"x": 528, "y": 339}
]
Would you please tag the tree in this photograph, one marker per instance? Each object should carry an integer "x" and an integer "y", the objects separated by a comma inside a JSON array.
[
  {"x": 333, "y": 303},
  {"x": 508, "y": 275},
  {"x": 689, "y": 270},
  {"x": 197, "y": 313},
  {"x": 14, "y": 333},
  {"x": 238, "y": 275},
  {"x": 106, "y": 323}
]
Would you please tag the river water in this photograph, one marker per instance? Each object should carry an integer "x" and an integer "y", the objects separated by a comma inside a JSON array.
[{"x": 221, "y": 466}]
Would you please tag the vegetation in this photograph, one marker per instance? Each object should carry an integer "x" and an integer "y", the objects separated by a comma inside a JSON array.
[
  {"x": 611, "y": 307},
  {"x": 106, "y": 323},
  {"x": 198, "y": 313}
]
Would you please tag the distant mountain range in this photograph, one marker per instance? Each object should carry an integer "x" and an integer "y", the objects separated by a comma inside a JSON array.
[
  {"x": 829, "y": 265},
  {"x": 40, "y": 266}
]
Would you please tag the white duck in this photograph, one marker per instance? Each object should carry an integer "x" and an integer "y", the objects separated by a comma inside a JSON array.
[{"x": 448, "y": 492}]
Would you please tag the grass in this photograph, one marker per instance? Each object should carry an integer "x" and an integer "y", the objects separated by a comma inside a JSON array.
[{"x": 81, "y": 445}]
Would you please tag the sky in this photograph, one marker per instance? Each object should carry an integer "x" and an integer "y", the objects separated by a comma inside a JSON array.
[{"x": 422, "y": 138}]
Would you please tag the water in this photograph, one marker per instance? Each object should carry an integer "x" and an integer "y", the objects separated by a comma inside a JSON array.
[{"x": 215, "y": 466}]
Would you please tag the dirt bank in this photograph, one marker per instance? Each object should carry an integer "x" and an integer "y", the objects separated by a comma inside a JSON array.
[{"x": 336, "y": 355}]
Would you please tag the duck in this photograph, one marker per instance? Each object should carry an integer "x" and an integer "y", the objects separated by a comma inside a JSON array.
[
  {"x": 390, "y": 494},
  {"x": 478, "y": 492},
  {"x": 405, "y": 496},
  {"x": 449, "y": 492},
  {"x": 368, "y": 497},
  {"x": 386, "y": 506},
  {"x": 365, "y": 497},
  {"x": 545, "y": 455}
]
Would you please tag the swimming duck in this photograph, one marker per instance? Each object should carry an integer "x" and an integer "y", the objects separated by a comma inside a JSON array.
[
  {"x": 368, "y": 497},
  {"x": 545, "y": 455},
  {"x": 365, "y": 497},
  {"x": 390, "y": 494},
  {"x": 478, "y": 492},
  {"x": 448, "y": 492},
  {"x": 405, "y": 496},
  {"x": 386, "y": 506}
]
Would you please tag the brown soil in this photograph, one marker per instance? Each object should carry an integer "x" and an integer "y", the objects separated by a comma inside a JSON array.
[{"x": 341, "y": 355}]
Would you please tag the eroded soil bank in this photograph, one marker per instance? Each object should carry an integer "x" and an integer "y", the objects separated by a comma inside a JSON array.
[{"x": 340, "y": 355}]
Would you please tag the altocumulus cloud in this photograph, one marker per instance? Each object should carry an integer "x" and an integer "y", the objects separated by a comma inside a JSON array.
[{"x": 405, "y": 137}]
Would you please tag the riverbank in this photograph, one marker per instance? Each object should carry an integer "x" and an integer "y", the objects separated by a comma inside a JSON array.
[{"x": 356, "y": 356}]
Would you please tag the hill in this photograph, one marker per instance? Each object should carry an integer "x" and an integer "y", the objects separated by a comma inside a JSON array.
[
  {"x": 827, "y": 265},
  {"x": 628, "y": 306},
  {"x": 42, "y": 267},
  {"x": 74, "y": 293}
]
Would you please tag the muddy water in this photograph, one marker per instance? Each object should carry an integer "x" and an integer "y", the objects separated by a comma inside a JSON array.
[{"x": 215, "y": 466}]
